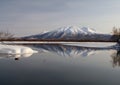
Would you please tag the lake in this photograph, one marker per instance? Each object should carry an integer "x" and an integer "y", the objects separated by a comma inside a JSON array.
[{"x": 63, "y": 64}]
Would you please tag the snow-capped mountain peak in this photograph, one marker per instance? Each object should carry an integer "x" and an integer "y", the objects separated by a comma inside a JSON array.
[
  {"x": 88, "y": 30},
  {"x": 68, "y": 33},
  {"x": 76, "y": 29}
]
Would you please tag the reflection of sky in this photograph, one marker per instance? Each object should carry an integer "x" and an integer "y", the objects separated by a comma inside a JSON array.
[{"x": 19, "y": 16}]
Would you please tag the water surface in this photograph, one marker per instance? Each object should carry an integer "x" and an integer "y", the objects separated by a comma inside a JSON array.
[{"x": 58, "y": 64}]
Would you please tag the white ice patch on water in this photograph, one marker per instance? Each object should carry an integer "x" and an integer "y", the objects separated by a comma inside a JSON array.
[{"x": 13, "y": 49}]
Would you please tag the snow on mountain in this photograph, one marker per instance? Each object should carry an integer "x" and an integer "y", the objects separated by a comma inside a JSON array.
[
  {"x": 70, "y": 32},
  {"x": 76, "y": 29},
  {"x": 88, "y": 30}
]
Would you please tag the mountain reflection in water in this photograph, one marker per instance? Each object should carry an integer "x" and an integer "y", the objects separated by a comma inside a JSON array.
[{"x": 70, "y": 51}]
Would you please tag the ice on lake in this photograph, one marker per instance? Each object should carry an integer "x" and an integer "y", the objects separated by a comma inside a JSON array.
[{"x": 16, "y": 51}]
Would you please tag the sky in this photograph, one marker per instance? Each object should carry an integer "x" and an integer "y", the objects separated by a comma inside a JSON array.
[{"x": 28, "y": 17}]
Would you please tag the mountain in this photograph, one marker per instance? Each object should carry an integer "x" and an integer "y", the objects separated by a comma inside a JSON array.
[{"x": 70, "y": 33}]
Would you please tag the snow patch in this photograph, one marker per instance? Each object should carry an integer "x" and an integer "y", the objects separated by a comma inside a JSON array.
[{"x": 13, "y": 49}]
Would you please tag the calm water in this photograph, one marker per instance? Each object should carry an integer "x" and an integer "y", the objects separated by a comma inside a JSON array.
[{"x": 62, "y": 65}]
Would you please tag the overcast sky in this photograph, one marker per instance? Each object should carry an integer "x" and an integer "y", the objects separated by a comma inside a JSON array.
[{"x": 26, "y": 17}]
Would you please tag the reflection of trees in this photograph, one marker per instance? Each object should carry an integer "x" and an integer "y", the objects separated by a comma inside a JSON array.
[
  {"x": 116, "y": 58},
  {"x": 6, "y": 35}
]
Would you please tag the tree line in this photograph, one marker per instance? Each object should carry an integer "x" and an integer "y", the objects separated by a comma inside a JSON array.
[
  {"x": 116, "y": 31},
  {"x": 6, "y": 35}
]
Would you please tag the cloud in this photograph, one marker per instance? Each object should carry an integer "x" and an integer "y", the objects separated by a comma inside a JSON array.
[{"x": 29, "y": 6}]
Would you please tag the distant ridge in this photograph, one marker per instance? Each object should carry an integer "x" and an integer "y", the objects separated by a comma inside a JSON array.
[{"x": 71, "y": 33}]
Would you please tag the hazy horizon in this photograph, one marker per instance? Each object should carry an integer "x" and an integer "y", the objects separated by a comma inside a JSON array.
[{"x": 26, "y": 17}]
